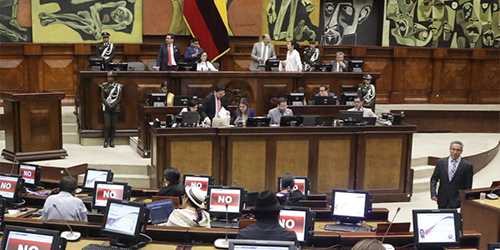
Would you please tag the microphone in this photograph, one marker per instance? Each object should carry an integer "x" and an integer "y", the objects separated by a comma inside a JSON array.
[
  {"x": 224, "y": 243},
  {"x": 13, "y": 165},
  {"x": 389, "y": 246},
  {"x": 237, "y": 183},
  {"x": 491, "y": 195},
  {"x": 68, "y": 235}
]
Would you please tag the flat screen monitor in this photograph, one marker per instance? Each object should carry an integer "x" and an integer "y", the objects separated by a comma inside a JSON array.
[
  {"x": 351, "y": 117},
  {"x": 109, "y": 190},
  {"x": 301, "y": 183},
  {"x": 494, "y": 246},
  {"x": 16, "y": 237},
  {"x": 182, "y": 100},
  {"x": 92, "y": 175},
  {"x": 118, "y": 66},
  {"x": 11, "y": 187},
  {"x": 124, "y": 220},
  {"x": 261, "y": 245},
  {"x": 183, "y": 66},
  {"x": 159, "y": 211},
  {"x": 200, "y": 181},
  {"x": 324, "y": 121},
  {"x": 356, "y": 65},
  {"x": 157, "y": 99},
  {"x": 272, "y": 64},
  {"x": 323, "y": 67},
  {"x": 258, "y": 121},
  {"x": 3, "y": 204},
  {"x": 436, "y": 228},
  {"x": 298, "y": 219},
  {"x": 31, "y": 174},
  {"x": 190, "y": 118},
  {"x": 347, "y": 98},
  {"x": 295, "y": 99},
  {"x": 291, "y": 121},
  {"x": 96, "y": 63},
  {"x": 219, "y": 196},
  {"x": 325, "y": 100},
  {"x": 350, "y": 206}
]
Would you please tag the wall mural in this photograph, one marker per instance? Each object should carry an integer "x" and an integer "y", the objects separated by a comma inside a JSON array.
[
  {"x": 73, "y": 21},
  {"x": 443, "y": 23},
  {"x": 10, "y": 30}
]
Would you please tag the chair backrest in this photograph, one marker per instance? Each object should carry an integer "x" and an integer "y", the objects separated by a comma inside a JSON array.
[
  {"x": 151, "y": 64},
  {"x": 174, "y": 199},
  {"x": 216, "y": 65},
  {"x": 136, "y": 66}
]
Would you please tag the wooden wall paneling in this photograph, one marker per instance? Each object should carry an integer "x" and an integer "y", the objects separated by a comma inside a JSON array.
[
  {"x": 418, "y": 76},
  {"x": 272, "y": 88},
  {"x": 292, "y": 156},
  {"x": 312, "y": 168},
  {"x": 247, "y": 162},
  {"x": 383, "y": 86},
  {"x": 195, "y": 87},
  {"x": 271, "y": 176},
  {"x": 245, "y": 87},
  {"x": 191, "y": 156},
  {"x": 486, "y": 72},
  {"x": 336, "y": 163},
  {"x": 397, "y": 95},
  {"x": 33, "y": 53},
  {"x": 40, "y": 126},
  {"x": 14, "y": 74}
]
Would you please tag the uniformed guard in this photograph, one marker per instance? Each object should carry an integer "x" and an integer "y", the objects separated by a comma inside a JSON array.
[
  {"x": 106, "y": 50},
  {"x": 366, "y": 90},
  {"x": 312, "y": 56},
  {"x": 111, "y": 95}
]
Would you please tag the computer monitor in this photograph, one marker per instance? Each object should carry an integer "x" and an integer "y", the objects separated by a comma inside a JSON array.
[
  {"x": 323, "y": 67},
  {"x": 494, "y": 246},
  {"x": 272, "y": 64},
  {"x": 182, "y": 100},
  {"x": 157, "y": 99},
  {"x": 31, "y": 174},
  {"x": 351, "y": 117},
  {"x": 298, "y": 219},
  {"x": 96, "y": 63},
  {"x": 190, "y": 119},
  {"x": 261, "y": 245},
  {"x": 350, "y": 206},
  {"x": 301, "y": 183},
  {"x": 125, "y": 221},
  {"x": 11, "y": 187},
  {"x": 3, "y": 205},
  {"x": 258, "y": 121},
  {"x": 295, "y": 99},
  {"x": 356, "y": 65},
  {"x": 118, "y": 66},
  {"x": 200, "y": 181},
  {"x": 183, "y": 66},
  {"x": 219, "y": 196},
  {"x": 159, "y": 211},
  {"x": 436, "y": 228},
  {"x": 325, "y": 100},
  {"x": 17, "y": 237},
  {"x": 291, "y": 121},
  {"x": 324, "y": 121},
  {"x": 105, "y": 190},
  {"x": 92, "y": 175},
  {"x": 347, "y": 98}
]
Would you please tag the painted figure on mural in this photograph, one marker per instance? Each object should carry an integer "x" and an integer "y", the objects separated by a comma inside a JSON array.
[
  {"x": 10, "y": 29},
  {"x": 342, "y": 18},
  {"x": 489, "y": 16},
  {"x": 290, "y": 20},
  {"x": 404, "y": 30},
  {"x": 89, "y": 18},
  {"x": 439, "y": 18}
]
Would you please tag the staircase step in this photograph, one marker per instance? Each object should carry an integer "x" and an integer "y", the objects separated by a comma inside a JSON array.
[
  {"x": 421, "y": 185},
  {"x": 2, "y": 135},
  {"x": 423, "y": 171},
  {"x": 421, "y": 161},
  {"x": 70, "y": 128},
  {"x": 68, "y": 117},
  {"x": 71, "y": 138}
]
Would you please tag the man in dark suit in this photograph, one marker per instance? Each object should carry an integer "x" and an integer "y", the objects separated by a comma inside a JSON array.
[
  {"x": 339, "y": 65},
  {"x": 453, "y": 173},
  {"x": 192, "y": 53},
  {"x": 213, "y": 103},
  {"x": 168, "y": 55}
]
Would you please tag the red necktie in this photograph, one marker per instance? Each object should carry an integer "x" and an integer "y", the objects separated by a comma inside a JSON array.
[
  {"x": 218, "y": 107},
  {"x": 169, "y": 56}
]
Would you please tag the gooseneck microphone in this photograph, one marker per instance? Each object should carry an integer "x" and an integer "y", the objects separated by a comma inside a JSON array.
[
  {"x": 491, "y": 195},
  {"x": 237, "y": 183},
  {"x": 389, "y": 246},
  {"x": 68, "y": 235},
  {"x": 224, "y": 243}
]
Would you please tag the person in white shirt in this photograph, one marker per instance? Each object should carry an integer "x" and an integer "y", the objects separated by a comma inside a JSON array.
[
  {"x": 292, "y": 62},
  {"x": 70, "y": 207},
  {"x": 204, "y": 64},
  {"x": 192, "y": 213},
  {"x": 358, "y": 106}
]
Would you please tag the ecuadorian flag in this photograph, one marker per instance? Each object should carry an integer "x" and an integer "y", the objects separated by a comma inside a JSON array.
[{"x": 207, "y": 20}]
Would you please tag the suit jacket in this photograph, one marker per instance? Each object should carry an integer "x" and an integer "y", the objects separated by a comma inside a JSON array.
[
  {"x": 208, "y": 108},
  {"x": 366, "y": 112},
  {"x": 448, "y": 190},
  {"x": 275, "y": 115},
  {"x": 162, "y": 58},
  {"x": 257, "y": 52},
  {"x": 342, "y": 69},
  {"x": 188, "y": 54}
]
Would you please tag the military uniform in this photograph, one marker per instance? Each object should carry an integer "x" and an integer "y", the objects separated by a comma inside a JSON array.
[
  {"x": 367, "y": 93},
  {"x": 111, "y": 95},
  {"x": 106, "y": 51},
  {"x": 312, "y": 57}
]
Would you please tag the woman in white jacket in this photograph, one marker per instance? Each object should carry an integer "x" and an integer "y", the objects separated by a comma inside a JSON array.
[
  {"x": 292, "y": 62},
  {"x": 192, "y": 213},
  {"x": 204, "y": 65}
]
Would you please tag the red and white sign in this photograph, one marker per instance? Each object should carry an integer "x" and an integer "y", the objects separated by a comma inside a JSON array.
[
  {"x": 219, "y": 198},
  {"x": 293, "y": 221},
  {"x": 107, "y": 191},
  {"x": 27, "y": 241},
  {"x": 195, "y": 181},
  {"x": 28, "y": 173},
  {"x": 7, "y": 186},
  {"x": 300, "y": 184}
]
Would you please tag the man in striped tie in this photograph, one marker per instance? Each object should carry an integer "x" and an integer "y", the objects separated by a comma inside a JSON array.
[{"x": 453, "y": 173}]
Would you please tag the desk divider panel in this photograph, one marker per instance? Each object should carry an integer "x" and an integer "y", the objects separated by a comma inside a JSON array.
[
  {"x": 335, "y": 167},
  {"x": 382, "y": 173},
  {"x": 247, "y": 163},
  {"x": 292, "y": 156}
]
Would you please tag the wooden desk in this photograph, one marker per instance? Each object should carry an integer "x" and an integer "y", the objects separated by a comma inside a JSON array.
[
  {"x": 332, "y": 157},
  {"x": 483, "y": 217},
  {"x": 258, "y": 88}
]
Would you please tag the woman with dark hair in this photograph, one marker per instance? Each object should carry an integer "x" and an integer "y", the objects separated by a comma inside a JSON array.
[
  {"x": 171, "y": 177},
  {"x": 192, "y": 106},
  {"x": 170, "y": 95},
  {"x": 292, "y": 62},
  {"x": 205, "y": 65},
  {"x": 243, "y": 112},
  {"x": 288, "y": 196},
  {"x": 192, "y": 213}
]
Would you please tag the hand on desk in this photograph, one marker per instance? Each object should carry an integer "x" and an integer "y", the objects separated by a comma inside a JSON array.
[{"x": 434, "y": 198}]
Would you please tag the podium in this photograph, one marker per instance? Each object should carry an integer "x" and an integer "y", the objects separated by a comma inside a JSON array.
[{"x": 33, "y": 126}]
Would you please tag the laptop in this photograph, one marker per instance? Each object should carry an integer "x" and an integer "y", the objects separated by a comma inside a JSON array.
[
  {"x": 370, "y": 120},
  {"x": 159, "y": 211},
  {"x": 220, "y": 122}
]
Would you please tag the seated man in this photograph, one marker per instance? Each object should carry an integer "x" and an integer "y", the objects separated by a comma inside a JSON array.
[
  {"x": 69, "y": 206},
  {"x": 358, "y": 106},
  {"x": 339, "y": 65},
  {"x": 171, "y": 177},
  {"x": 267, "y": 213},
  {"x": 323, "y": 91},
  {"x": 281, "y": 110},
  {"x": 287, "y": 196}
]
